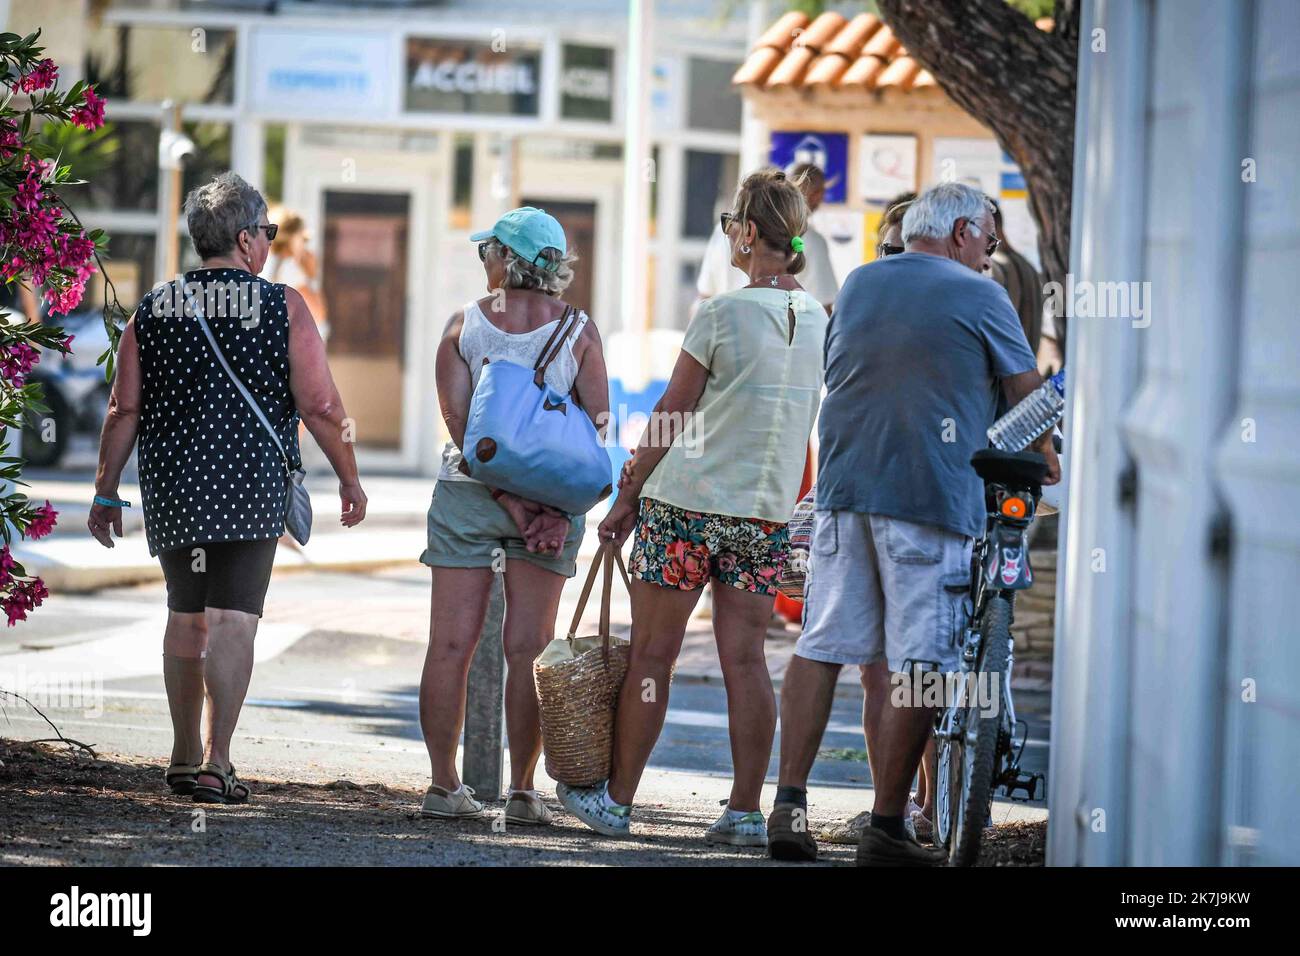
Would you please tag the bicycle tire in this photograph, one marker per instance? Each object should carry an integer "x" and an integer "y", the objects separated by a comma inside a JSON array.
[{"x": 979, "y": 749}]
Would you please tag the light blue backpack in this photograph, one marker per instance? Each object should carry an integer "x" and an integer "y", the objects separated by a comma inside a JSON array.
[{"x": 530, "y": 440}]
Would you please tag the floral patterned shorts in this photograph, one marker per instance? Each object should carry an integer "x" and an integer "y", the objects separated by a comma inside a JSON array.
[{"x": 675, "y": 548}]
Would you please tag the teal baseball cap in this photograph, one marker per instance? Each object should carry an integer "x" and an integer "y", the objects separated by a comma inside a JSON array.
[{"x": 527, "y": 231}]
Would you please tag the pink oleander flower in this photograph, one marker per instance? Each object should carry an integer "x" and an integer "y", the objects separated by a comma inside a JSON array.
[
  {"x": 42, "y": 522},
  {"x": 42, "y": 76},
  {"x": 36, "y": 232},
  {"x": 65, "y": 300},
  {"x": 16, "y": 362},
  {"x": 72, "y": 252},
  {"x": 91, "y": 115},
  {"x": 7, "y": 566},
  {"x": 14, "y": 608},
  {"x": 35, "y": 592},
  {"x": 23, "y": 596},
  {"x": 27, "y": 197},
  {"x": 66, "y": 345},
  {"x": 10, "y": 138},
  {"x": 11, "y": 268}
]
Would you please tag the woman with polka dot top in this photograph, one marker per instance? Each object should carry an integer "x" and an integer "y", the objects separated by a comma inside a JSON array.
[{"x": 212, "y": 481}]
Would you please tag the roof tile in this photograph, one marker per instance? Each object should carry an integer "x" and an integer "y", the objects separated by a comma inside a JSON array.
[{"x": 835, "y": 53}]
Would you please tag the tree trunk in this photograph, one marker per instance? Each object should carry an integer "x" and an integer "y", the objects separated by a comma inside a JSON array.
[{"x": 1017, "y": 80}]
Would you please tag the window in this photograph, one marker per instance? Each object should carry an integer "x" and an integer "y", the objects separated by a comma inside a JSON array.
[
  {"x": 712, "y": 103},
  {"x": 587, "y": 83},
  {"x": 273, "y": 147},
  {"x": 151, "y": 64},
  {"x": 462, "y": 181},
  {"x": 129, "y": 264},
  {"x": 711, "y": 180},
  {"x": 119, "y": 160},
  {"x": 462, "y": 76}
]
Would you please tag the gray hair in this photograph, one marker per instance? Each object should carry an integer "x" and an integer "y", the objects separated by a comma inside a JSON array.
[
  {"x": 218, "y": 211},
  {"x": 932, "y": 214},
  {"x": 552, "y": 276}
]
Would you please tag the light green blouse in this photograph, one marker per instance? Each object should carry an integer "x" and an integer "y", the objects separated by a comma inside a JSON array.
[{"x": 742, "y": 451}]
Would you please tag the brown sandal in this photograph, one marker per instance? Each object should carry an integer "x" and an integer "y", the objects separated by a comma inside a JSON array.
[
  {"x": 230, "y": 791},
  {"x": 182, "y": 778}
]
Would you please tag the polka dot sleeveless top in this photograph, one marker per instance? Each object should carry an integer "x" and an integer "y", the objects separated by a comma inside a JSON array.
[{"x": 208, "y": 469}]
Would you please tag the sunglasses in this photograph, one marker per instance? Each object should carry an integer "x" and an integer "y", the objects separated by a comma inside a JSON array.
[
  {"x": 887, "y": 249},
  {"x": 483, "y": 248},
  {"x": 270, "y": 228},
  {"x": 726, "y": 219},
  {"x": 993, "y": 242}
]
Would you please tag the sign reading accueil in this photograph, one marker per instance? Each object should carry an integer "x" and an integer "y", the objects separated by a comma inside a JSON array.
[
  {"x": 320, "y": 72},
  {"x": 462, "y": 76},
  {"x": 829, "y": 151}
]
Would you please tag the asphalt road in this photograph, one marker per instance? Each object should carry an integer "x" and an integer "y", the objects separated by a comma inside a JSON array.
[{"x": 336, "y": 696}]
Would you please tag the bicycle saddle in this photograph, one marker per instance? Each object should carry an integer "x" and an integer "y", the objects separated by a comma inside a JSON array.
[{"x": 1009, "y": 467}]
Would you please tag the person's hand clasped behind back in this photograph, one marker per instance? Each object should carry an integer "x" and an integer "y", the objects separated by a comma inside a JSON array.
[{"x": 543, "y": 528}]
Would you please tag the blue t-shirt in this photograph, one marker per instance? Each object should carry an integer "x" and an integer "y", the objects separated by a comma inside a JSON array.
[{"x": 914, "y": 352}]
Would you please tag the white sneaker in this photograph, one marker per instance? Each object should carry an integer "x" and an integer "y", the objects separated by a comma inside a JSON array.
[
  {"x": 588, "y": 805},
  {"x": 526, "y": 806},
  {"x": 738, "y": 829},
  {"x": 450, "y": 804}
]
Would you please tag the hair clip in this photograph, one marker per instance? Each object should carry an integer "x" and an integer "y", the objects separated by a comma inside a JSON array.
[{"x": 797, "y": 243}]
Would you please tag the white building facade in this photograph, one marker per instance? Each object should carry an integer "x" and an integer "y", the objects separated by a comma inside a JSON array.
[
  {"x": 396, "y": 130},
  {"x": 1176, "y": 698}
]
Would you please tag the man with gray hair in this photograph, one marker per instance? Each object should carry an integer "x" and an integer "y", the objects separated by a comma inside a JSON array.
[{"x": 915, "y": 352}]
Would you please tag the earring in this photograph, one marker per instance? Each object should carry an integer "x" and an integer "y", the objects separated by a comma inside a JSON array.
[{"x": 745, "y": 249}]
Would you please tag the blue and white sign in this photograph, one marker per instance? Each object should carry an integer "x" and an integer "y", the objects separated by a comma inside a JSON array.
[
  {"x": 830, "y": 151},
  {"x": 321, "y": 73}
]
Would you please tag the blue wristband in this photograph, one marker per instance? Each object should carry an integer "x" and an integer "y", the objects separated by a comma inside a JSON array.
[{"x": 111, "y": 502}]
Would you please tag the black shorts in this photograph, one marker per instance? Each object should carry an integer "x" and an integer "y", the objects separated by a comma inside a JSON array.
[{"x": 231, "y": 575}]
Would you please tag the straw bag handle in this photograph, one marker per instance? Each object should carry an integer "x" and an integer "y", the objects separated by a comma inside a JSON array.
[{"x": 606, "y": 557}]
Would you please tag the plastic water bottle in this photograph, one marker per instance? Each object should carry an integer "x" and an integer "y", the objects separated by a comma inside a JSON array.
[{"x": 1034, "y": 414}]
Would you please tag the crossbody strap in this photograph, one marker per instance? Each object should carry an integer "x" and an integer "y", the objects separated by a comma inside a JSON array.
[
  {"x": 561, "y": 333},
  {"x": 239, "y": 386}
]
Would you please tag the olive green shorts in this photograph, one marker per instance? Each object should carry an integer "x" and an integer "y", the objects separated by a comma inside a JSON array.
[{"x": 467, "y": 529}]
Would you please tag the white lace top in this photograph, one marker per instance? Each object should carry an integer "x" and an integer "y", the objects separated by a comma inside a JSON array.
[{"x": 480, "y": 339}]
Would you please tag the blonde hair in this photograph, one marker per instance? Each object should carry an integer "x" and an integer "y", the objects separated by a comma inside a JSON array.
[
  {"x": 290, "y": 224},
  {"x": 551, "y": 276},
  {"x": 776, "y": 207}
]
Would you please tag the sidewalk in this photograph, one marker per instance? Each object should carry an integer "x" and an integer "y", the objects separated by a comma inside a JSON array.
[
  {"x": 71, "y": 561},
  {"x": 63, "y": 808}
]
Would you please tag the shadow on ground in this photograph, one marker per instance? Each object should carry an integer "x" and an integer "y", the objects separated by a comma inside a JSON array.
[{"x": 63, "y": 808}]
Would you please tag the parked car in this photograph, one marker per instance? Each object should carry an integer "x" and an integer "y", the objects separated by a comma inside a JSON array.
[{"x": 76, "y": 391}]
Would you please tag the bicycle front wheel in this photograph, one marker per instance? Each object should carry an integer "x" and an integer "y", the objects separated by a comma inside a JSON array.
[{"x": 978, "y": 745}]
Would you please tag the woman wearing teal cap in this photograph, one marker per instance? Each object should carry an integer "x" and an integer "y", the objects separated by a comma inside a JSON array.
[
  {"x": 475, "y": 531},
  {"x": 749, "y": 382}
]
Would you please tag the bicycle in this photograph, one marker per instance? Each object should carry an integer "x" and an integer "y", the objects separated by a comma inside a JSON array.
[{"x": 977, "y": 748}]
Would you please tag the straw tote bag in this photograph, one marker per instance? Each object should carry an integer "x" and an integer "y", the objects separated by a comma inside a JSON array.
[{"x": 578, "y": 683}]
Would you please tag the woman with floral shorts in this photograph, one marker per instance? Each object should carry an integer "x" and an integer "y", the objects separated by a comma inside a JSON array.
[
  {"x": 709, "y": 490},
  {"x": 676, "y": 548}
]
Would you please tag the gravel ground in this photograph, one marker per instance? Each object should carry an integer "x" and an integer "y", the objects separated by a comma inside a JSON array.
[{"x": 61, "y": 808}]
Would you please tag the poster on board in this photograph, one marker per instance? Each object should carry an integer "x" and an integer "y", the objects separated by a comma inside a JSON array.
[
  {"x": 886, "y": 166},
  {"x": 829, "y": 151}
]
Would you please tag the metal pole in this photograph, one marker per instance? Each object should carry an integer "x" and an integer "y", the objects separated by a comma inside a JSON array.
[
  {"x": 637, "y": 172},
  {"x": 170, "y": 150},
  {"x": 484, "y": 753},
  {"x": 483, "y": 765}
]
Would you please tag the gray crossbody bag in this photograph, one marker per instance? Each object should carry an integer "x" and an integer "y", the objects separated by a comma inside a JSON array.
[{"x": 297, "y": 512}]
